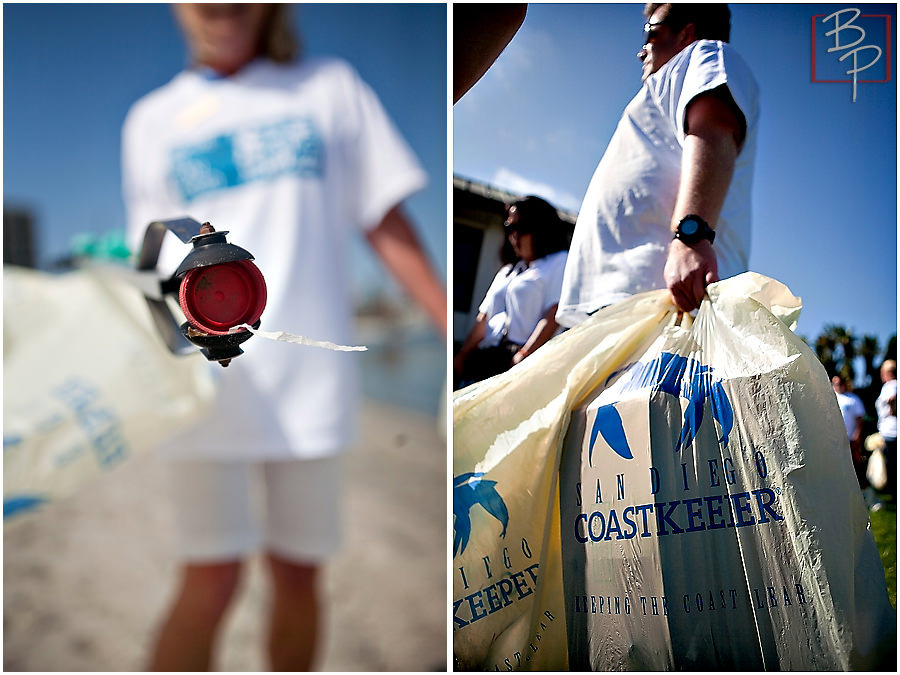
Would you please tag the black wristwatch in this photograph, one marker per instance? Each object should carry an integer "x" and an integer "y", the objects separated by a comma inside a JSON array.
[{"x": 692, "y": 229}]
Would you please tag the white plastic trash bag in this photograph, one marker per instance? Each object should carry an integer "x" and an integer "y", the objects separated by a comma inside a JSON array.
[
  {"x": 876, "y": 467},
  {"x": 686, "y": 494},
  {"x": 87, "y": 382}
]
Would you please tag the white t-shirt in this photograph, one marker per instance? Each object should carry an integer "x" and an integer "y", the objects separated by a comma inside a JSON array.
[
  {"x": 887, "y": 421},
  {"x": 292, "y": 160},
  {"x": 519, "y": 297},
  {"x": 622, "y": 235},
  {"x": 851, "y": 410},
  {"x": 494, "y": 307}
]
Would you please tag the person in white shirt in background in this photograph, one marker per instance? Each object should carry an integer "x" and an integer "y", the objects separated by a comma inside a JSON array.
[
  {"x": 518, "y": 313},
  {"x": 292, "y": 156},
  {"x": 886, "y": 407},
  {"x": 853, "y": 411}
]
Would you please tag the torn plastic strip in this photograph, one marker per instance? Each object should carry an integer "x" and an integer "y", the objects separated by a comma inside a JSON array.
[{"x": 281, "y": 336}]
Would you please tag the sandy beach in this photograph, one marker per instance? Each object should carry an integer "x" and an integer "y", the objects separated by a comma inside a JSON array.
[{"x": 85, "y": 579}]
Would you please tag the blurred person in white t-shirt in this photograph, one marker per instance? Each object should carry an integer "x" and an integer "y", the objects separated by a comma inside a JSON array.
[
  {"x": 886, "y": 407},
  {"x": 853, "y": 411},
  {"x": 294, "y": 157}
]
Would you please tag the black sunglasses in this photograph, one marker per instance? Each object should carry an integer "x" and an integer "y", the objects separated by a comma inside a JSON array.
[
  {"x": 649, "y": 32},
  {"x": 517, "y": 229}
]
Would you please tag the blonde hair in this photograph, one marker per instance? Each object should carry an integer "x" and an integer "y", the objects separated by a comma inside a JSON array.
[{"x": 278, "y": 40}]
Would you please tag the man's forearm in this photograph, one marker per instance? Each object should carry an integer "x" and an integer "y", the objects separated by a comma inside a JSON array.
[
  {"x": 706, "y": 170},
  {"x": 707, "y": 166},
  {"x": 713, "y": 136}
]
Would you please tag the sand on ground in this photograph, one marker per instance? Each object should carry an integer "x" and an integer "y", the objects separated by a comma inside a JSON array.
[{"x": 86, "y": 579}]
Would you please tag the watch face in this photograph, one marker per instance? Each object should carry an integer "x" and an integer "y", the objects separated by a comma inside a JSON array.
[{"x": 689, "y": 227}]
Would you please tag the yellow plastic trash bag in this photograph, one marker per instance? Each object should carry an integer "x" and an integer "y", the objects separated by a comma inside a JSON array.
[
  {"x": 87, "y": 382},
  {"x": 641, "y": 495}
]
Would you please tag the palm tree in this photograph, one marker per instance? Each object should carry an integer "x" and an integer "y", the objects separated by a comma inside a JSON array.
[
  {"x": 825, "y": 348},
  {"x": 837, "y": 349},
  {"x": 890, "y": 352},
  {"x": 868, "y": 351}
]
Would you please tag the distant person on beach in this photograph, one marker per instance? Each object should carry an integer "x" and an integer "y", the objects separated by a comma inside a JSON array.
[
  {"x": 292, "y": 156},
  {"x": 853, "y": 411},
  {"x": 518, "y": 313},
  {"x": 886, "y": 407}
]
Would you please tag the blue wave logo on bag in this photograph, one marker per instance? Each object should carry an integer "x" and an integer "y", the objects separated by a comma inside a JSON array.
[
  {"x": 470, "y": 489},
  {"x": 671, "y": 374}
]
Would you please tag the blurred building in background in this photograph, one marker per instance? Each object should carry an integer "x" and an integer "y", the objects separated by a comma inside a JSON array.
[{"x": 19, "y": 246}]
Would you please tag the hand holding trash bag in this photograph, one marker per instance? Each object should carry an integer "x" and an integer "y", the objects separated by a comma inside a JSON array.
[
  {"x": 677, "y": 495},
  {"x": 689, "y": 270}
]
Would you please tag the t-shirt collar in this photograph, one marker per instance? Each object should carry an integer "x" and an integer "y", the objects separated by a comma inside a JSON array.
[{"x": 212, "y": 75}]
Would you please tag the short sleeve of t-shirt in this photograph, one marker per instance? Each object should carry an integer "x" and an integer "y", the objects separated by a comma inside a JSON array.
[
  {"x": 493, "y": 302},
  {"x": 388, "y": 171},
  {"x": 699, "y": 68}
]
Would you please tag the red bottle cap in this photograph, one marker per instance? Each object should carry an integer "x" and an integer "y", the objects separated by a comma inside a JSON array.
[{"x": 219, "y": 297}]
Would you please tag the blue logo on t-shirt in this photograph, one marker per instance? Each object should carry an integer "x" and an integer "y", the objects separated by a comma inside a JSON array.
[
  {"x": 290, "y": 146},
  {"x": 674, "y": 375}
]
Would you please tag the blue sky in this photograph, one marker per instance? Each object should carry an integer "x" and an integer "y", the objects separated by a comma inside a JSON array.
[
  {"x": 825, "y": 188},
  {"x": 71, "y": 71},
  {"x": 825, "y": 218}
]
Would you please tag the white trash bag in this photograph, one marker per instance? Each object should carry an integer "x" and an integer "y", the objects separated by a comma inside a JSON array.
[
  {"x": 876, "y": 467},
  {"x": 686, "y": 493},
  {"x": 87, "y": 382}
]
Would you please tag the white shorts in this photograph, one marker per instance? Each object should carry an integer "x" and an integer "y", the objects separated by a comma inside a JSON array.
[{"x": 228, "y": 510}]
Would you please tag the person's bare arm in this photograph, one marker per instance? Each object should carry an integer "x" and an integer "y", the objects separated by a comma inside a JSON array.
[
  {"x": 481, "y": 31},
  {"x": 714, "y": 132},
  {"x": 394, "y": 241},
  {"x": 544, "y": 330}
]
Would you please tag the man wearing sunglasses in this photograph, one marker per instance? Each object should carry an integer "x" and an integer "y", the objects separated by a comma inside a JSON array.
[{"x": 669, "y": 203}]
